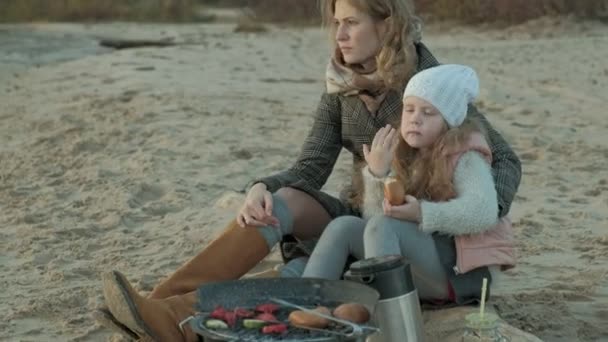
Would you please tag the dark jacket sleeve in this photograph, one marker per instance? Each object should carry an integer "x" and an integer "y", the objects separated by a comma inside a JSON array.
[
  {"x": 506, "y": 167},
  {"x": 319, "y": 152}
]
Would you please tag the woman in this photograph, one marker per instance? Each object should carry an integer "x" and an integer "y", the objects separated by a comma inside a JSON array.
[{"x": 377, "y": 51}]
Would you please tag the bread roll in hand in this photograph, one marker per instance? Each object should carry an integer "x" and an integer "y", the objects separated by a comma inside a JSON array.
[{"x": 394, "y": 191}]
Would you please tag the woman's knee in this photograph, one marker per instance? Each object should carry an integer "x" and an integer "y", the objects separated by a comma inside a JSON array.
[
  {"x": 287, "y": 193},
  {"x": 309, "y": 216},
  {"x": 292, "y": 197}
]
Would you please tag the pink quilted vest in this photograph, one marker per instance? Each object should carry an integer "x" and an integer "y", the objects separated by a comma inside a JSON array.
[{"x": 493, "y": 247}]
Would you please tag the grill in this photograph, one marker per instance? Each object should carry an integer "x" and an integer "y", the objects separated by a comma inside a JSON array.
[{"x": 309, "y": 293}]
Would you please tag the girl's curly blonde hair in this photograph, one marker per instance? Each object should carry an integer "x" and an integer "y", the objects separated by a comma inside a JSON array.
[{"x": 430, "y": 175}]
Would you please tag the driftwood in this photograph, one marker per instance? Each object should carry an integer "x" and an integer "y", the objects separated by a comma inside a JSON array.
[{"x": 134, "y": 43}]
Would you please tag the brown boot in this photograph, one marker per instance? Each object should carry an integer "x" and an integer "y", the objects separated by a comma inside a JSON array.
[
  {"x": 104, "y": 317},
  {"x": 235, "y": 252},
  {"x": 228, "y": 257},
  {"x": 152, "y": 319}
]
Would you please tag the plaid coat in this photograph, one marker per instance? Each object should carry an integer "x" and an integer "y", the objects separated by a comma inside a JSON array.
[{"x": 344, "y": 122}]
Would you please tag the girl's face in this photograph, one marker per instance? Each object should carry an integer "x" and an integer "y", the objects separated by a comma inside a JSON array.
[
  {"x": 358, "y": 35},
  {"x": 421, "y": 123}
]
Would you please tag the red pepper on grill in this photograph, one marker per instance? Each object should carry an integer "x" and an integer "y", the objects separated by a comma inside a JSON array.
[
  {"x": 274, "y": 329},
  {"x": 266, "y": 317},
  {"x": 267, "y": 308},
  {"x": 230, "y": 318},
  {"x": 243, "y": 313},
  {"x": 219, "y": 313}
]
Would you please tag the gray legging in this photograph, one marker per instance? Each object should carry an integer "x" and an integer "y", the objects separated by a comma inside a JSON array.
[
  {"x": 274, "y": 235},
  {"x": 381, "y": 235}
]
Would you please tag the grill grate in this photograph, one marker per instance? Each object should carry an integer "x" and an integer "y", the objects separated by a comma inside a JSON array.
[
  {"x": 306, "y": 292},
  {"x": 240, "y": 333}
]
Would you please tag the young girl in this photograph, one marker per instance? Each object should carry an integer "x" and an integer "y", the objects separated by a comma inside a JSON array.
[{"x": 448, "y": 228}]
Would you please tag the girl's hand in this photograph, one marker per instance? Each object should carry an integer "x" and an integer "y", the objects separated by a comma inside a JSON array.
[
  {"x": 410, "y": 211},
  {"x": 380, "y": 155},
  {"x": 257, "y": 209}
]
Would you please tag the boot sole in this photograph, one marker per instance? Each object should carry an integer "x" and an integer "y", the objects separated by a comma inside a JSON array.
[
  {"x": 105, "y": 318},
  {"x": 117, "y": 293}
]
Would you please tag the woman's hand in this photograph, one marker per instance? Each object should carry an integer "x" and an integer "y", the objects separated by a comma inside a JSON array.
[
  {"x": 410, "y": 211},
  {"x": 257, "y": 209},
  {"x": 380, "y": 155}
]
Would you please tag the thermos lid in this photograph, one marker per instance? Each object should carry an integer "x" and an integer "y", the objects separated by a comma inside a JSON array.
[{"x": 376, "y": 264}]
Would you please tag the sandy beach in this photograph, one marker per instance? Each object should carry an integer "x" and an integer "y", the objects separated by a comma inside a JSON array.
[{"x": 134, "y": 159}]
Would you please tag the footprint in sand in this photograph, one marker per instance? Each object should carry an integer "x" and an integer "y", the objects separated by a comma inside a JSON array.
[
  {"x": 529, "y": 227},
  {"x": 579, "y": 201},
  {"x": 523, "y": 125},
  {"x": 23, "y": 191},
  {"x": 539, "y": 142},
  {"x": 241, "y": 153},
  {"x": 530, "y": 156},
  {"x": 603, "y": 241},
  {"x": 87, "y": 146},
  {"x": 557, "y": 185},
  {"x": 34, "y": 218},
  {"x": 81, "y": 272},
  {"x": 593, "y": 248},
  {"x": 146, "y": 193},
  {"x": 127, "y": 96},
  {"x": 520, "y": 198},
  {"x": 593, "y": 193},
  {"x": 131, "y": 220},
  {"x": 602, "y": 314},
  {"x": 160, "y": 209},
  {"x": 587, "y": 168},
  {"x": 556, "y": 219}
]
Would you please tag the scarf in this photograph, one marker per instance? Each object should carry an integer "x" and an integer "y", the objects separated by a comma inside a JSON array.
[{"x": 352, "y": 80}]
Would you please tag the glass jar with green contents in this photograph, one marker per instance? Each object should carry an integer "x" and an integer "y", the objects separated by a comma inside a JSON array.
[{"x": 482, "y": 329}]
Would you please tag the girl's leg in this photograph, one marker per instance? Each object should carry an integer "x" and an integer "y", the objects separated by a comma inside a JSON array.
[
  {"x": 385, "y": 235},
  {"x": 342, "y": 237},
  {"x": 294, "y": 268}
]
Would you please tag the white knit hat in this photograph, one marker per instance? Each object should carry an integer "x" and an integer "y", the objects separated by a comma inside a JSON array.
[{"x": 449, "y": 87}]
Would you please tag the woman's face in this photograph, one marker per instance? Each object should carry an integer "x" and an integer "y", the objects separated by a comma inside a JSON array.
[
  {"x": 421, "y": 123},
  {"x": 358, "y": 35}
]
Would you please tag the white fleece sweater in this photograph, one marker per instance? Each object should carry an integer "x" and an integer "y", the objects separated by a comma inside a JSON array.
[{"x": 473, "y": 210}]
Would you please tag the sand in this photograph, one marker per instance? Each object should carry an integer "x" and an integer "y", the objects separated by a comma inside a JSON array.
[{"x": 134, "y": 159}]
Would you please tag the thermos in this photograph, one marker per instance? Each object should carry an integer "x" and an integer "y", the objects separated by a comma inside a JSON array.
[{"x": 397, "y": 313}]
